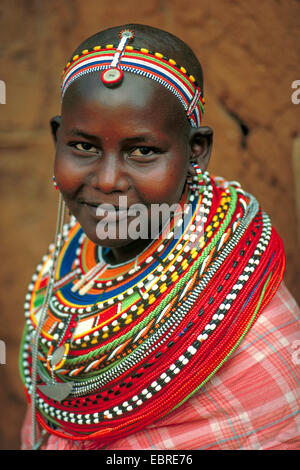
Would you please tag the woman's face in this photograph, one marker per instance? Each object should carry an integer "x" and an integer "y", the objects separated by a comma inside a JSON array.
[{"x": 131, "y": 141}]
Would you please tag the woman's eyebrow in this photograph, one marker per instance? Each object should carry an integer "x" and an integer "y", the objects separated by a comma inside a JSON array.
[
  {"x": 126, "y": 141},
  {"x": 79, "y": 133},
  {"x": 132, "y": 140},
  {"x": 147, "y": 137}
]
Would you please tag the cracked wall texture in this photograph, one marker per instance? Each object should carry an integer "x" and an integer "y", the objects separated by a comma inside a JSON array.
[{"x": 250, "y": 56}]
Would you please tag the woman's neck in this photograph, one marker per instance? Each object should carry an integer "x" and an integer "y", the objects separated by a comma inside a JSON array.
[{"x": 118, "y": 255}]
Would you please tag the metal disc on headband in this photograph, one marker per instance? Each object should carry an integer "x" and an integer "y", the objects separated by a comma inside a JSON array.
[{"x": 112, "y": 77}]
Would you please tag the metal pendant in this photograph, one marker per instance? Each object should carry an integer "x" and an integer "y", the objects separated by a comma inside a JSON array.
[
  {"x": 58, "y": 391},
  {"x": 57, "y": 355}
]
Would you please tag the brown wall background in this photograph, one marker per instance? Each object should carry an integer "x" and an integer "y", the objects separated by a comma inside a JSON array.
[{"x": 250, "y": 56}]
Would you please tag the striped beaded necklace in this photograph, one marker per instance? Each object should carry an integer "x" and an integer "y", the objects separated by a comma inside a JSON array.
[{"x": 121, "y": 341}]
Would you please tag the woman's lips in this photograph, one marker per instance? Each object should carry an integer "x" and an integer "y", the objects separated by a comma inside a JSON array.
[{"x": 105, "y": 211}]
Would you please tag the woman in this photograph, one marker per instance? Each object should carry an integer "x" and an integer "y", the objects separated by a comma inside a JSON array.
[{"x": 133, "y": 311}]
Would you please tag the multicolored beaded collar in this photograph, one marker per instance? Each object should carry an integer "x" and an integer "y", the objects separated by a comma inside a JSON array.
[
  {"x": 129, "y": 344},
  {"x": 113, "y": 61}
]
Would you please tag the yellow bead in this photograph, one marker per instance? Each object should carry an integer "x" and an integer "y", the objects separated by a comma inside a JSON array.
[
  {"x": 97, "y": 48},
  {"x": 69, "y": 63},
  {"x": 215, "y": 217},
  {"x": 221, "y": 215},
  {"x": 60, "y": 364},
  {"x": 216, "y": 224},
  {"x": 209, "y": 234},
  {"x": 145, "y": 51},
  {"x": 194, "y": 254},
  {"x": 172, "y": 62},
  {"x": 116, "y": 328},
  {"x": 86, "y": 51},
  {"x": 202, "y": 244},
  {"x": 184, "y": 264},
  {"x": 192, "y": 78},
  {"x": 109, "y": 46},
  {"x": 94, "y": 341},
  {"x": 128, "y": 319},
  {"x": 129, "y": 48},
  {"x": 159, "y": 55},
  {"x": 105, "y": 335},
  {"x": 183, "y": 70},
  {"x": 163, "y": 288},
  {"x": 174, "y": 277},
  {"x": 75, "y": 57},
  {"x": 219, "y": 209},
  {"x": 140, "y": 310},
  {"x": 151, "y": 299},
  {"x": 208, "y": 228}
]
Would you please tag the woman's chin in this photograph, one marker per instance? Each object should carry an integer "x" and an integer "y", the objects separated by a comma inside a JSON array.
[
  {"x": 115, "y": 235},
  {"x": 113, "y": 240}
]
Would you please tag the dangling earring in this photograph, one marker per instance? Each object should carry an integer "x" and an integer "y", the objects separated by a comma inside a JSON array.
[
  {"x": 197, "y": 169},
  {"x": 58, "y": 243},
  {"x": 54, "y": 182},
  {"x": 191, "y": 178}
]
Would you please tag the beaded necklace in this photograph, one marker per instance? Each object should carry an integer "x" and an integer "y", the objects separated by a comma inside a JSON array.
[{"x": 126, "y": 339}]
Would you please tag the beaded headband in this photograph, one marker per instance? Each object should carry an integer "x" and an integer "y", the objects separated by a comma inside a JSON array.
[{"x": 154, "y": 65}]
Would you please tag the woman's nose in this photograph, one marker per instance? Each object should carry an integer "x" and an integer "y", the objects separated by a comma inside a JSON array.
[{"x": 110, "y": 176}]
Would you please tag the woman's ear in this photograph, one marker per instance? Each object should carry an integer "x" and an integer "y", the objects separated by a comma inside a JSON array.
[
  {"x": 201, "y": 140},
  {"x": 54, "y": 125}
]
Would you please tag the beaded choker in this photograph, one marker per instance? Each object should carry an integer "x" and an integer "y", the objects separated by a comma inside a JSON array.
[
  {"x": 113, "y": 61},
  {"x": 133, "y": 342}
]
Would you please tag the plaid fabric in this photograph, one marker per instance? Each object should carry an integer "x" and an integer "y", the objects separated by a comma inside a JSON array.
[{"x": 251, "y": 403}]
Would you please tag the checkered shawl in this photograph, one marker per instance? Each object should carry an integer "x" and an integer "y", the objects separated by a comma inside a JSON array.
[{"x": 251, "y": 403}]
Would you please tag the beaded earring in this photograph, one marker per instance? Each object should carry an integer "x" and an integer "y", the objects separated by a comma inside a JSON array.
[
  {"x": 54, "y": 182},
  {"x": 199, "y": 175},
  {"x": 197, "y": 169}
]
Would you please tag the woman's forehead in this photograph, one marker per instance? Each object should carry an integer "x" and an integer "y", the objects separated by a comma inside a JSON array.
[{"x": 135, "y": 95}]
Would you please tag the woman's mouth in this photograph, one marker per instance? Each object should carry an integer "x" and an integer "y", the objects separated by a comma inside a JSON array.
[{"x": 106, "y": 212}]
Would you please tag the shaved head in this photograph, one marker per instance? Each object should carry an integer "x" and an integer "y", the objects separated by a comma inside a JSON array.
[{"x": 153, "y": 39}]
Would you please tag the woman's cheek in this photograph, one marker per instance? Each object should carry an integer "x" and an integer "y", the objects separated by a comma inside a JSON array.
[
  {"x": 67, "y": 176},
  {"x": 165, "y": 185}
]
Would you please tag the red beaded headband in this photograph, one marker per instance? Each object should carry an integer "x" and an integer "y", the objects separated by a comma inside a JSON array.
[{"x": 154, "y": 65}]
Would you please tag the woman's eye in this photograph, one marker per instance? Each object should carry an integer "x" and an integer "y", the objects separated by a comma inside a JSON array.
[
  {"x": 143, "y": 151},
  {"x": 85, "y": 147}
]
